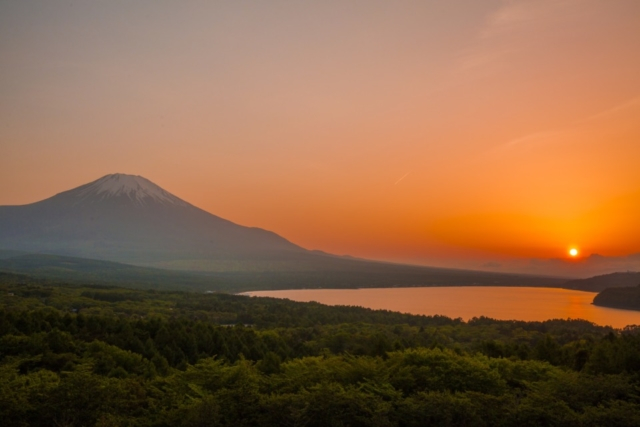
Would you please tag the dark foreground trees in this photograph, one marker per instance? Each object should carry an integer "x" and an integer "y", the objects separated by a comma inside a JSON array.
[
  {"x": 69, "y": 358},
  {"x": 408, "y": 388}
]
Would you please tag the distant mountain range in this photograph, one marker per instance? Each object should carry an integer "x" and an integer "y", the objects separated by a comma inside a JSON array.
[
  {"x": 605, "y": 281},
  {"x": 333, "y": 273},
  {"x": 90, "y": 232},
  {"x": 129, "y": 219}
]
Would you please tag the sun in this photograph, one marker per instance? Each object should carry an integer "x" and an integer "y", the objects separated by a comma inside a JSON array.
[{"x": 573, "y": 252}]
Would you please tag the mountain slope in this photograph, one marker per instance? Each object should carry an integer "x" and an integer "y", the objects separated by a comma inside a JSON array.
[
  {"x": 605, "y": 281},
  {"x": 82, "y": 271},
  {"x": 129, "y": 219},
  {"x": 627, "y": 298},
  {"x": 328, "y": 273}
]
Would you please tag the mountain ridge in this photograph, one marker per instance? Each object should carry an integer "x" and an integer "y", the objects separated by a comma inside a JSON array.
[
  {"x": 344, "y": 274},
  {"x": 127, "y": 218},
  {"x": 604, "y": 281}
]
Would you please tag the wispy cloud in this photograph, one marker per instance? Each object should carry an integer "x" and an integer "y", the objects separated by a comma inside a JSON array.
[
  {"x": 530, "y": 138},
  {"x": 403, "y": 177},
  {"x": 514, "y": 15},
  {"x": 633, "y": 102},
  {"x": 538, "y": 137},
  {"x": 505, "y": 29}
]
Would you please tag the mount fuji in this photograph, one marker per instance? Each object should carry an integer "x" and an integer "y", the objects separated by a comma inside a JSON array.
[{"x": 127, "y": 218}]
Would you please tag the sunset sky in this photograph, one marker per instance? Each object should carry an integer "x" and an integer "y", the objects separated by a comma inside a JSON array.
[{"x": 477, "y": 133}]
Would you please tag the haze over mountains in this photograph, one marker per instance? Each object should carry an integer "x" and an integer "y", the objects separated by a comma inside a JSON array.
[
  {"x": 83, "y": 233},
  {"x": 128, "y": 219}
]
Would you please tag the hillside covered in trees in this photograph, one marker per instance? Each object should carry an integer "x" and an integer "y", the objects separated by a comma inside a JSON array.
[
  {"x": 107, "y": 356},
  {"x": 626, "y": 298}
]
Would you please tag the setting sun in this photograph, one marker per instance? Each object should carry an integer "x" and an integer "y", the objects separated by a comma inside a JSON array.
[{"x": 573, "y": 252}]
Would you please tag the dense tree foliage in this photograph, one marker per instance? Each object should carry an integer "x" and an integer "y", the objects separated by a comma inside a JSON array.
[
  {"x": 107, "y": 356},
  {"x": 627, "y": 298}
]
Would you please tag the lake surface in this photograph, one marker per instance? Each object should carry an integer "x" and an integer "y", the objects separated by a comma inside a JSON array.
[{"x": 505, "y": 303}]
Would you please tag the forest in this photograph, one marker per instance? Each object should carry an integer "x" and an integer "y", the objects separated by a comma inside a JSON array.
[
  {"x": 625, "y": 297},
  {"x": 308, "y": 271},
  {"x": 80, "y": 355}
]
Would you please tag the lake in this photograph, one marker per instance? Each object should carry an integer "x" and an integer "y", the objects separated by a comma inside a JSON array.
[{"x": 505, "y": 303}]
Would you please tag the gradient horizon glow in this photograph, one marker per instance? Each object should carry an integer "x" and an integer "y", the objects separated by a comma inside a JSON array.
[{"x": 460, "y": 133}]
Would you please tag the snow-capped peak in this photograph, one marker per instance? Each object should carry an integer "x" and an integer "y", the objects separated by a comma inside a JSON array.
[{"x": 135, "y": 187}]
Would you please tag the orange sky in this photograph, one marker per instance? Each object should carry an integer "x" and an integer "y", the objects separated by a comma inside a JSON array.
[{"x": 445, "y": 133}]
